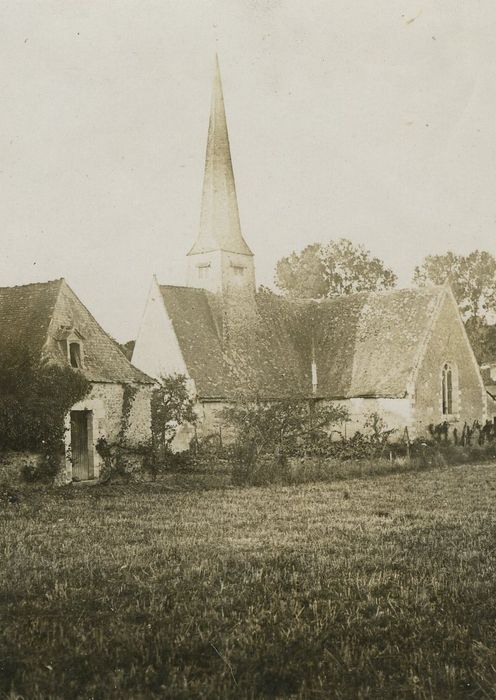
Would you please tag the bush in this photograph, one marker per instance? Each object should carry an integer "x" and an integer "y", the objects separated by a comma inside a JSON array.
[
  {"x": 30, "y": 471},
  {"x": 171, "y": 406},
  {"x": 267, "y": 432},
  {"x": 35, "y": 396}
]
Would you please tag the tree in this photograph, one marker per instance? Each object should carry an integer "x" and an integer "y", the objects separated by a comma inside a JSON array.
[
  {"x": 333, "y": 269},
  {"x": 473, "y": 281},
  {"x": 171, "y": 406},
  {"x": 472, "y": 278},
  {"x": 127, "y": 348},
  {"x": 273, "y": 429},
  {"x": 482, "y": 336}
]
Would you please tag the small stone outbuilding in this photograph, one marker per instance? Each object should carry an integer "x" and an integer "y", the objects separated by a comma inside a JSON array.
[{"x": 49, "y": 319}]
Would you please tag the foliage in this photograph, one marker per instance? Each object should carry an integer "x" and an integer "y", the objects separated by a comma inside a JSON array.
[
  {"x": 333, "y": 269},
  {"x": 274, "y": 428},
  {"x": 482, "y": 336},
  {"x": 129, "y": 394},
  {"x": 121, "y": 460},
  {"x": 35, "y": 396},
  {"x": 472, "y": 278},
  {"x": 127, "y": 348},
  {"x": 380, "y": 587},
  {"x": 171, "y": 406}
]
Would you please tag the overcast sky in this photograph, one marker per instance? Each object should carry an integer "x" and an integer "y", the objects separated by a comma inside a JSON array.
[{"x": 374, "y": 120}]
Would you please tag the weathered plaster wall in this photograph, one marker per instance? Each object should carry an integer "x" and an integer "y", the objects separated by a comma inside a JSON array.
[
  {"x": 105, "y": 401},
  {"x": 448, "y": 343},
  {"x": 215, "y": 271},
  {"x": 209, "y": 424},
  {"x": 395, "y": 412},
  {"x": 138, "y": 432},
  {"x": 491, "y": 407},
  {"x": 230, "y": 279},
  {"x": 211, "y": 274},
  {"x": 157, "y": 350}
]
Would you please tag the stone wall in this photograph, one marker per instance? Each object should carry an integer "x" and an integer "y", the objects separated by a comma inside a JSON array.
[
  {"x": 105, "y": 402},
  {"x": 396, "y": 414},
  {"x": 448, "y": 343},
  {"x": 491, "y": 407}
]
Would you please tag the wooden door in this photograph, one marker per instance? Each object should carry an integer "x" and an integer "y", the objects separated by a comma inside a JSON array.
[{"x": 81, "y": 445}]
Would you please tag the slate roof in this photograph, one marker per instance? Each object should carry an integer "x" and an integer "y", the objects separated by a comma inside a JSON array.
[
  {"x": 37, "y": 316},
  {"x": 220, "y": 227},
  {"x": 196, "y": 325},
  {"x": 364, "y": 344},
  {"x": 25, "y": 315}
]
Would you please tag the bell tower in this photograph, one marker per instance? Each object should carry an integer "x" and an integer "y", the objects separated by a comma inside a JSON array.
[{"x": 220, "y": 259}]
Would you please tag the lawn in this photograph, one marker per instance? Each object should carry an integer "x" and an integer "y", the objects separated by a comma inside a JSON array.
[{"x": 380, "y": 587}]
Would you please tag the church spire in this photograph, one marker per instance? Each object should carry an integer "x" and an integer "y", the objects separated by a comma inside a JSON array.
[{"x": 220, "y": 228}]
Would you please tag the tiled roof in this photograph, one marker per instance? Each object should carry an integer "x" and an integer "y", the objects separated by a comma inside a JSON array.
[
  {"x": 196, "y": 325},
  {"x": 25, "y": 314},
  {"x": 104, "y": 361},
  {"x": 365, "y": 344},
  {"x": 38, "y": 316}
]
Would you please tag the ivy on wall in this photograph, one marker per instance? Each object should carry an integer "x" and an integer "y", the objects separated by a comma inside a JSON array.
[
  {"x": 35, "y": 396},
  {"x": 129, "y": 394}
]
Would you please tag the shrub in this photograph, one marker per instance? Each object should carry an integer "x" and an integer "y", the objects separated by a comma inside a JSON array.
[
  {"x": 171, "y": 406},
  {"x": 30, "y": 471},
  {"x": 35, "y": 396},
  {"x": 267, "y": 432}
]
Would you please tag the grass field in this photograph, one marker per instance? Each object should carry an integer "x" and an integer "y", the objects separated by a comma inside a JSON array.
[{"x": 381, "y": 587}]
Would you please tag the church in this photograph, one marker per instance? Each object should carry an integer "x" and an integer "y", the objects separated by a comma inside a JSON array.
[{"x": 403, "y": 354}]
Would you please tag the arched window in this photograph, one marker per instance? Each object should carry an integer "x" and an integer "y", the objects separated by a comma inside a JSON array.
[{"x": 448, "y": 382}]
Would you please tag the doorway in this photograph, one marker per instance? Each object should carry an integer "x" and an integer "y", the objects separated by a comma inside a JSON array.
[{"x": 82, "y": 445}]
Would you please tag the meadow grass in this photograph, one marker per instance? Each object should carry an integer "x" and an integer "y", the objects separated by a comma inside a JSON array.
[{"x": 382, "y": 587}]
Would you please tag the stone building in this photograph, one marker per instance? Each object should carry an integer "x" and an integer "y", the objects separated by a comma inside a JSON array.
[
  {"x": 403, "y": 354},
  {"x": 50, "y": 320},
  {"x": 488, "y": 371}
]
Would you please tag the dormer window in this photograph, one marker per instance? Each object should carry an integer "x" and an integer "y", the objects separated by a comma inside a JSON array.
[
  {"x": 75, "y": 354},
  {"x": 71, "y": 345}
]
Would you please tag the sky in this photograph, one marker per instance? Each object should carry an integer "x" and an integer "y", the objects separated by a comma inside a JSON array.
[{"x": 371, "y": 120}]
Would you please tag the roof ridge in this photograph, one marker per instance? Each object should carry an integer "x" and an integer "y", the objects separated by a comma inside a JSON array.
[
  {"x": 181, "y": 286},
  {"x": 58, "y": 280},
  {"x": 377, "y": 293}
]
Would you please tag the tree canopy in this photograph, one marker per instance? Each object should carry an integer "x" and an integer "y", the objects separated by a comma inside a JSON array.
[
  {"x": 473, "y": 280},
  {"x": 332, "y": 269}
]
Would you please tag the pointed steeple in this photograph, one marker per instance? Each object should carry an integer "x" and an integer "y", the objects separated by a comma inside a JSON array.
[{"x": 220, "y": 228}]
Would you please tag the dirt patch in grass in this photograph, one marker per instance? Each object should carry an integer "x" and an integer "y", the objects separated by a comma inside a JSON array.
[{"x": 380, "y": 587}]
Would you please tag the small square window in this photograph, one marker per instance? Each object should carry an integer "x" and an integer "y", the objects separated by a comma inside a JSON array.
[
  {"x": 238, "y": 270},
  {"x": 203, "y": 271}
]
